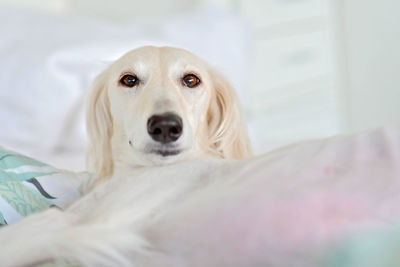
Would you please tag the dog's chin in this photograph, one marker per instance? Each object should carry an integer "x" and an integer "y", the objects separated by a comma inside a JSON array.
[{"x": 164, "y": 154}]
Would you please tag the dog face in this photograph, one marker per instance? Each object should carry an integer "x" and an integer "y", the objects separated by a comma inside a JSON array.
[
  {"x": 159, "y": 105},
  {"x": 158, "y": 102}
]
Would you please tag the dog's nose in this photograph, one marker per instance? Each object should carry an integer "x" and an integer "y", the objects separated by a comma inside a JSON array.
[{"x": 165, "y": 128}]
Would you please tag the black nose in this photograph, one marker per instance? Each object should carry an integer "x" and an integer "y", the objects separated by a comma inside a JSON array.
[{"x": 165, "y": 128}]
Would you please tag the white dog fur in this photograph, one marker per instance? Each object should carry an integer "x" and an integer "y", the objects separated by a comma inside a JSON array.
[{"x": 96, "y": 230}]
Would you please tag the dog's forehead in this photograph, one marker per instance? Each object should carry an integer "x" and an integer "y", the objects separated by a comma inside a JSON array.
[
  {"x": 172, "y": 54},
  {"x": 145, "y": 55},
  {"x": 163, "y": 57}
]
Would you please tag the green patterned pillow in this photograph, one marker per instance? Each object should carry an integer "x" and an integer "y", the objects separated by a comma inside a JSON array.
[{"x": 28, "y": 186}]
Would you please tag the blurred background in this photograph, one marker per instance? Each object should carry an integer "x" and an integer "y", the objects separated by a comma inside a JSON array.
[{"x": 303, "y": 69}]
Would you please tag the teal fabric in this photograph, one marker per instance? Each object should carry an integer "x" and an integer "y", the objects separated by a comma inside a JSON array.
[
  {"x": 28, "y": 185},
  {"x": 22, "y": 198},
  {"x": 10, "y": 159},
  {"x": 367, "y": 249}
]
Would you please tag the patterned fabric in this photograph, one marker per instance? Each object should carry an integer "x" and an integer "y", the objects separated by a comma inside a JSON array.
[{"x": 28, "y": 186}]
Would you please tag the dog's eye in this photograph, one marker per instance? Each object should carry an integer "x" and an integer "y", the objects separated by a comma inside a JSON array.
[
  {"x": 129, "y": 80},
  {"x": 191, "y": 80}
]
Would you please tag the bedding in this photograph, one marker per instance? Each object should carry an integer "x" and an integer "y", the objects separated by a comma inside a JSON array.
[
  {"x": 327, "y": 203},
  {"x": 28, "y": 186}
]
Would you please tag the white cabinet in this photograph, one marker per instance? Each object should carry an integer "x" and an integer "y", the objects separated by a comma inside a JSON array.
[{"x": 291, "y": 94}]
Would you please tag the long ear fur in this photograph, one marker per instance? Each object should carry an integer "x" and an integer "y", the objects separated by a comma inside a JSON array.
[
  {"x": 99, "y": 126},
  {"x": 227, "y": 131}
]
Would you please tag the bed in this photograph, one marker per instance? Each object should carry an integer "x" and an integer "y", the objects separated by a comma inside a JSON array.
[{"x": 329, "y": 202}]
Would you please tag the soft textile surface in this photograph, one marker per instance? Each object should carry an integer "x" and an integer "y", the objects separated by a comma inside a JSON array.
[
  {"x": 332, "y": 202},
  {"x": 305, "y": 205},
  {"x": 47, "y": 64},
  {"x": 28, "y": 186}
]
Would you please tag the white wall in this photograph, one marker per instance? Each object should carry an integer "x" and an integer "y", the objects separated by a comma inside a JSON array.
[{"x": 371, "y": 46}]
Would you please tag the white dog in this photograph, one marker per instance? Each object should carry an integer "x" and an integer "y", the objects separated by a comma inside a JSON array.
[
  {"x": 153, "y": 107},
  {"x": 164, "y": 131}
]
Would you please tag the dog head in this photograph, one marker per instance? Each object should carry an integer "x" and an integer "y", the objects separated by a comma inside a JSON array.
[{"x": 158, "y": 105}]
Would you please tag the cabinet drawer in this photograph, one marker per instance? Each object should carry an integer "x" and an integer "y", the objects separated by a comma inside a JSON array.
[
  {"x": 289, "y": 60},
  {"x": 269, "y": 12},
  {"x": 299, "y": 97},
  {"x": 304, "y": 111}
]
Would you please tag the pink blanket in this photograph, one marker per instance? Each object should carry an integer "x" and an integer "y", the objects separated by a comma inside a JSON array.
[{"x": 291, "y": 207}]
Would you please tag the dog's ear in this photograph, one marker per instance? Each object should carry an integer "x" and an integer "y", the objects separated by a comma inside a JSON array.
[
  {"x": 99, "y": 126},
  {"x": 226, "y": 128}
]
